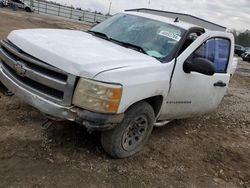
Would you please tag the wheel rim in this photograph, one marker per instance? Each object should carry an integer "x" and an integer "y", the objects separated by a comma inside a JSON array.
[{"x": 135, "y": 133}]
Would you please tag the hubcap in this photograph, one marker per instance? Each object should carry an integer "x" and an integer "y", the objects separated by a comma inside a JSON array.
[{"x": 135, "y": 133}]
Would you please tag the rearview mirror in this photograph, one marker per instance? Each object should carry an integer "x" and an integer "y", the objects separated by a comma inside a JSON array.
[{"x": 200, "y": 65}]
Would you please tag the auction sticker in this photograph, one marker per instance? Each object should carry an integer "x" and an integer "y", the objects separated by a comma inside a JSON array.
[{"x": 170, "y": 35}]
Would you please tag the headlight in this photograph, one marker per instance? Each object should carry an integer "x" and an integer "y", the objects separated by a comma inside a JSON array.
[{"x": 97, "y": 96}]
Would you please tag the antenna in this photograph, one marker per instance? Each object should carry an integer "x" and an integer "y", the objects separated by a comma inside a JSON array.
[
  {"x": 176, "y": 19},
  {"x": 110, "y": 7}
]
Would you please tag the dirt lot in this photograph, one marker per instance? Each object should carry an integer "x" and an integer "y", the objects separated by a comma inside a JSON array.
[{"x": 205, "y": 152}]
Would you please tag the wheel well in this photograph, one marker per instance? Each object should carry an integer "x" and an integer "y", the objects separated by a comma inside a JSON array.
[{"x": 155, "y": 102}]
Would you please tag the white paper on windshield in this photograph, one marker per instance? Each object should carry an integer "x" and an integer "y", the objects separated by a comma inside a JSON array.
[{"x": 170, "y": 35}]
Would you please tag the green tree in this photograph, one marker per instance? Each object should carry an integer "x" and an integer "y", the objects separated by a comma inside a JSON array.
[{"x": 241, "y": 38}]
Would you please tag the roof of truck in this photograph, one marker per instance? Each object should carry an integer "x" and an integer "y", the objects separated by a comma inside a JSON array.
[{"x": 181, "y": 24}]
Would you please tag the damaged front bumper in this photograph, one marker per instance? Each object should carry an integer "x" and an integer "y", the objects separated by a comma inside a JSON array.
[{"x": 91, "y": 120}]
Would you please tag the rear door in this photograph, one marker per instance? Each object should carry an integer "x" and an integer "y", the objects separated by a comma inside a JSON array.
[{"x": 193, "y": 93}]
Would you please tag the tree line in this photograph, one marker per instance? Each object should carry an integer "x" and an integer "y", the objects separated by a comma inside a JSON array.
[{"x": 242, "y": 37}]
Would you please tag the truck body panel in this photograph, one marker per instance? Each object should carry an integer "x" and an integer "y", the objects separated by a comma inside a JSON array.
[{"x": 76, "y": 52}]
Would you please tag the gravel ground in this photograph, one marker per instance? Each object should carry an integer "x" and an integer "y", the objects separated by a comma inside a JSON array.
[{"x": 210, "y": 151}]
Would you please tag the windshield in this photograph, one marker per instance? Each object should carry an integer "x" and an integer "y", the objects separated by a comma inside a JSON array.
[{"x": 155, "y": 38}]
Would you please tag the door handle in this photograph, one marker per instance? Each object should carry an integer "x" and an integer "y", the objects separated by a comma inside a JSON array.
[{"x": 220, "y": 84}]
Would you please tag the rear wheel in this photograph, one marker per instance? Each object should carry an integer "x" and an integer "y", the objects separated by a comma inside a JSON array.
[
  {"x": 130, "y": 136},
  {"x": 27, "y": 9}
]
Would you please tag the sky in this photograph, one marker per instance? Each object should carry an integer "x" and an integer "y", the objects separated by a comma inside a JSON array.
[{"x": 233, "y": 14}]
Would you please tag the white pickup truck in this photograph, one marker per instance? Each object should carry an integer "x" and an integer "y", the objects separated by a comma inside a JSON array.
[{"x": 122, "y": 77}]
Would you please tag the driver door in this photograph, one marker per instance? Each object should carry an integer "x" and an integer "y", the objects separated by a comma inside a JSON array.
[{"x": 193, "y": 93}]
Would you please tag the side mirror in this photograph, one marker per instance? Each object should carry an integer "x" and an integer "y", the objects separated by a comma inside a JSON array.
[{"x": 200, "y": 65}]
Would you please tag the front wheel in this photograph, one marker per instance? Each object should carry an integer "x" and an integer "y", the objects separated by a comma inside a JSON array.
[{"x": 130, "y": 136}]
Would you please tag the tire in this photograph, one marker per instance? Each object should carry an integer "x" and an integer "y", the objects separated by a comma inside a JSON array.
[
  {"x": 27, "y": 9},
  {"x": 132, "y": 133}
]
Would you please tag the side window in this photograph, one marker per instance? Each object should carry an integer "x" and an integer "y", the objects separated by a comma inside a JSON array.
[{"x": 216, "y": 50}]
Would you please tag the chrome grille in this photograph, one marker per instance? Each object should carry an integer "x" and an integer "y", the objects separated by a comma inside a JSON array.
[{"x": 36, "y": 76}]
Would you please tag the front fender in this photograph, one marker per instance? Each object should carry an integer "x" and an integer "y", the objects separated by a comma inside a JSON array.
[{"x": 139, "y": 82}]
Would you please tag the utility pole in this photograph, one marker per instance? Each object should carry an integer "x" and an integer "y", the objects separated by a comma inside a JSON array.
[
  {"x": 110, "y": 7},
  {"x": 149, "y": 3}
]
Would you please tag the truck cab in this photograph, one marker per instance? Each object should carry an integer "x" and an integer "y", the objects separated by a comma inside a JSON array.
[{"x": 124, "y": 76}]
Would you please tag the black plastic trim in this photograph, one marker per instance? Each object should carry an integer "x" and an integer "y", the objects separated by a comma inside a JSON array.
[{"x": 98, "y": 121}]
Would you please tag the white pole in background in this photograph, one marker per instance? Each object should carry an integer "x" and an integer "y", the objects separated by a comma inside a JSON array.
[{"x": 149, "y": 3}]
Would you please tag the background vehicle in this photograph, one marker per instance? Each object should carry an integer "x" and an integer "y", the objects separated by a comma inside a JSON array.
[
  {"x": 245, "y": 53},
  {"x": 247, "y": 49},
  {"x": 239, "y": 49},
  {"x": 246, "y": 57},
  {"x": 22, "y": 5},
  {"x": 137, "y": 70},
  {"x": 3, "y": 3}
]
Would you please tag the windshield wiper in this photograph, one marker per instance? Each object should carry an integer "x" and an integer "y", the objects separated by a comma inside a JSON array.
[
  {"x": 99, "y": 34},
  {"x": 124, "y": 44},
  {"x": 129, "y": 45}
]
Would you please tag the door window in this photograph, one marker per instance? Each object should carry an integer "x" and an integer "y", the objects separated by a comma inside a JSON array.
[{"x": 217, "y": 50}]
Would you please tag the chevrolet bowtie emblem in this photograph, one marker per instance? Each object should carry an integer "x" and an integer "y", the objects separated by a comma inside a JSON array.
[{"x": 19, "y": 69}]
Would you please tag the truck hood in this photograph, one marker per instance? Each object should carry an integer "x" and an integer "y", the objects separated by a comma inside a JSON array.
[{"x": 77, "y": 52}]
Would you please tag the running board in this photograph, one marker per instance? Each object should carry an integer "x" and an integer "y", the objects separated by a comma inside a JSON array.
[{"x": 161, "y": 123}]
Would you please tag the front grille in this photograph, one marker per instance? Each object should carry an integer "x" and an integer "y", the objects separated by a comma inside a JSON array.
[{"x": 36, "y": 76}]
